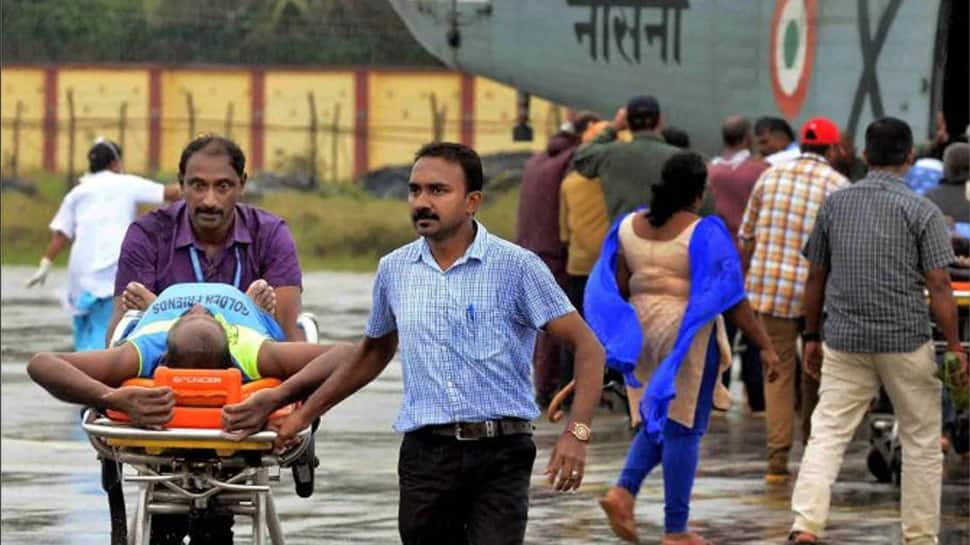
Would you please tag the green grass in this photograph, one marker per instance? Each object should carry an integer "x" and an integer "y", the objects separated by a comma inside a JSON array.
[{"x": 340, "y": 229}]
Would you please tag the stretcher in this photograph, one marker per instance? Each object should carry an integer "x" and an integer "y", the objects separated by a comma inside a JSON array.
[
  {"x": 884, "y": 458},
  {"x": 187, "y": 466}
]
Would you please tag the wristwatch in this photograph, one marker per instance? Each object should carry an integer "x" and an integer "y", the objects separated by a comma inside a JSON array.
[
  {"x": 580, "y": 431},
  {"x": 811, "y": 337}
]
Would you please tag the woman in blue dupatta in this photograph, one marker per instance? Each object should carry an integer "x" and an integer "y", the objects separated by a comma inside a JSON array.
[{"x": 675, "y": 274}]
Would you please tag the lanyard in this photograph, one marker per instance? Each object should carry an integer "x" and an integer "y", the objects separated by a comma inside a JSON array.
[{"x": 197, "y": 267}]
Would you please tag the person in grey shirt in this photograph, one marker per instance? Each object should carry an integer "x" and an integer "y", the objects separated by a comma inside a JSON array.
[{"x": 875, "y": 247}]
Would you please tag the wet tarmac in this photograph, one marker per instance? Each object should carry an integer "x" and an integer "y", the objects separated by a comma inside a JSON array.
[{"x": 51, "y": 491}]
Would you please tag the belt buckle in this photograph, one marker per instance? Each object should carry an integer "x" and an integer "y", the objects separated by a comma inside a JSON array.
[
  {"x": 491, "y": 429},
  {"x": 458, "y": 435}
]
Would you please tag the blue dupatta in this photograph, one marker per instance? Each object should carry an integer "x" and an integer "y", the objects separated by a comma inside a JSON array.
[{"x": 716, "y": 285}]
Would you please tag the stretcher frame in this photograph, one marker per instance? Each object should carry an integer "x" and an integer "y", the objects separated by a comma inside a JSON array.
[{"x": 187, "y": 470}]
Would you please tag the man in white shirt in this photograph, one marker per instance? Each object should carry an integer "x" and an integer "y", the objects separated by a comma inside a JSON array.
[
  {"x": 93, "y": 219},
  {"x": 776, "y": 140}
]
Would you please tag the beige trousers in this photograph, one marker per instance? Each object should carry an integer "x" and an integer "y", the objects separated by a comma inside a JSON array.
[
  {"x": 780, "y": 394},
  {"x": 849, "y": 383}
]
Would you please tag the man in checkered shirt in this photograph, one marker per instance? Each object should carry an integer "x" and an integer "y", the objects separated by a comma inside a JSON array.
[
  {"x": 465, "y": 307},
  {"x": 874, "y": 249},
  {"x": 775, "y": 225}
]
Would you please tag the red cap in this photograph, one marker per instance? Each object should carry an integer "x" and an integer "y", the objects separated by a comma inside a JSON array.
[{"x": 821, "y": 131}]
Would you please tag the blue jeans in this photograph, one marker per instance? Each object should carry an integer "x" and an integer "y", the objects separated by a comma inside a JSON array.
[{"x": 678, "y": 453}]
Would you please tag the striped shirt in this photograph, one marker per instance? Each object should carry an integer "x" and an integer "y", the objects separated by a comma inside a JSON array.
[
  {"x": 878, "y": 239},
  {"x": 466, "y": 334},
  {"x": 777, "y": 221}
]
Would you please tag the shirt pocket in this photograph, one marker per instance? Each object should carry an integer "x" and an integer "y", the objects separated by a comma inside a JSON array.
[{"x": 484, "y": 330}]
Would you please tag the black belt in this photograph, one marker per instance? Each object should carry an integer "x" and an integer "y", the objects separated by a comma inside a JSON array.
[{"x": 473, "y": 431}]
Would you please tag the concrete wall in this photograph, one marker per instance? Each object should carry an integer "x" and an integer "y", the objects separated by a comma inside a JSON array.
[{"x": 365, "y": 118}]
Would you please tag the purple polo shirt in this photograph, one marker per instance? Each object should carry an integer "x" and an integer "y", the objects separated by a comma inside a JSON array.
[{"x": 156, "y": 251}]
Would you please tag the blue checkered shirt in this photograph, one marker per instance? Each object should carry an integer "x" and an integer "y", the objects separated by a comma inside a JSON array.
[{"x": 466, "y": 334}]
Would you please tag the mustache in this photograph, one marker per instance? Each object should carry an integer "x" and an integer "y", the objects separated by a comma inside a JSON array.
[
  {"x": 208, "y": 211},
  {"x": 424, "y": 214}
]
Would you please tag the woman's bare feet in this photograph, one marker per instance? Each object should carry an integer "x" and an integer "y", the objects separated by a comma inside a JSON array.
[
  {"x": 618, "y": 504},
  {"x": 263, "y": 295},
  {"x": 136, "y": 297}
]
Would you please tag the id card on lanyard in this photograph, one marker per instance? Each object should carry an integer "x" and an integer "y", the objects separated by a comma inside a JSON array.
[{"x": 197, "y": 267}]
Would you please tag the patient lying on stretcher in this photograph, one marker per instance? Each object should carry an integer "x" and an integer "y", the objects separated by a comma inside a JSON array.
[{"x": 197, "y": 325}]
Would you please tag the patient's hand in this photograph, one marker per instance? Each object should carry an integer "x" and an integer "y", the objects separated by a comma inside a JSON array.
[
  {"x": 136, "y": 297},
  {"x": 144, "y": 406},
  {"x": 286, "y": 430},
  {"x": 240, "y": 420},
  {"x": 263, "y": 295}
]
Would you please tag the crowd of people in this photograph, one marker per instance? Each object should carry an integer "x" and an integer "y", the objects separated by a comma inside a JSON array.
[
  {"x": 774, "y": 196},
  {"x": 634, "y": 256}
]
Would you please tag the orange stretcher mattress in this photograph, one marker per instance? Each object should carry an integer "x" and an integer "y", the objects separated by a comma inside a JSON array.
[{"x": 200, "y": 395}]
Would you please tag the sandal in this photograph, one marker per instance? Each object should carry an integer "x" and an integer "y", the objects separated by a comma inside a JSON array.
[{"x": 801, "y": 538}]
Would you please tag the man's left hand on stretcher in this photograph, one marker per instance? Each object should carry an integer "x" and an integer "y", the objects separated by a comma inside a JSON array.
[{"x": 240, "y": 420}]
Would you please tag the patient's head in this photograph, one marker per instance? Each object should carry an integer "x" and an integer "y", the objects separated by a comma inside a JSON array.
[{"x": 197, "y": 341}]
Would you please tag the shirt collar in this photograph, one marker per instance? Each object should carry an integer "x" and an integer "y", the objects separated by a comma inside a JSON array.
[
  {"x": 475, "y": 251},
  {"x": 813, "y": 156},
  {"x": 647, "y": 135},
  {"x": 184, "y": 237},
  {"x": 881, "y": 176},
  {"x": 732, "y": 159}
]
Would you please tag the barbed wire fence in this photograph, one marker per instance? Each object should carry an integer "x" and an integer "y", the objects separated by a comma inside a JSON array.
[{"x": 327, "y": 149}]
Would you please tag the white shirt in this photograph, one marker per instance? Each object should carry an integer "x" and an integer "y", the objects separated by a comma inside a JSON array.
[
  {"x": 96, "y": 214},
  {"x": 792, "y": 151}
]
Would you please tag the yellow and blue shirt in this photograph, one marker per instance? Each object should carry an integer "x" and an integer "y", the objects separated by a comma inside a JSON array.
[{"x": 246, "y": 325}]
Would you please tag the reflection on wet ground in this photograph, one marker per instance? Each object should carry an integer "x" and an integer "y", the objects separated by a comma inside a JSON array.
[{"x": 51, "y": 488}]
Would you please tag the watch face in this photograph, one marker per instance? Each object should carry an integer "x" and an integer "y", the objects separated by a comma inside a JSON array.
[{"x": 581, "y": 431}]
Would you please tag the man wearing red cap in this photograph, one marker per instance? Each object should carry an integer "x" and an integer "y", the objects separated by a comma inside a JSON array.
[{"x": 775, "y": 226}]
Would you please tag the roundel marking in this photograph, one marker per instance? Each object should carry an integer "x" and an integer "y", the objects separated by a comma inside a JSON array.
[{"x": 792, "y": 54}]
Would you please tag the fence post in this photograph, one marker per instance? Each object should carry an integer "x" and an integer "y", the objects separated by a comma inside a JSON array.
[
  {"x": 190, "y": 105},
  {"x": 229, "y": 115},
  {"x": 15, "y": 157},
  {"x": 122, "y": 123},
  {"x": 437, "y": 119},
  {"x": 334, "y": 142},
  {"x": 71, "y": 135},
  {"x": 312, "y": 132}
]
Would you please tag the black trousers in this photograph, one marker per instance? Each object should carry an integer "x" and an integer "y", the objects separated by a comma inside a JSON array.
[
  {"x": 464, "y": 492},
  {"x": 575, "y": 289},
  {"x": 752, "y": 374}
]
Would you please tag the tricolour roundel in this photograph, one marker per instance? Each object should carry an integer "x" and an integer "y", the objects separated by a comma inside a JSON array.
[{"x": 792, "y": 54}]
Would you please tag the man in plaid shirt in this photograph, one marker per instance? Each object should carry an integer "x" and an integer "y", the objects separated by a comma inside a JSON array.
[{"x": 775, "y": 225}]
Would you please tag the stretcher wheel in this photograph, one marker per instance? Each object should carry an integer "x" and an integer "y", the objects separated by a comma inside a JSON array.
[
  {"x": 878, "y": 466},
  {"x": 303, "y": 472}
]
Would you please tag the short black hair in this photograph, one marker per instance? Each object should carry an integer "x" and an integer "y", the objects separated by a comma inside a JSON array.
[
  {"x": 818, "y": 149},
  {"x": 774, "y": 125},
  {"x": 889, "y": 142},
  {"x": 734, "y": 131},
  {"x": 676, "y": 137},
  {"x": 582, "y": 122},
  {"x": 453, "y": 152},
  {"x": 683, "y": 178},
  {"x": 213, "y": 144},
  {"x": 202, "y": 348},
  {"x": 102, "y": 154},
  {"x": 643, "y": 122}
]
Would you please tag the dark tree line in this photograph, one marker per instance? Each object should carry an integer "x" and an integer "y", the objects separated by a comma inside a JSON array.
[{"x": 289, "y": 32}]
